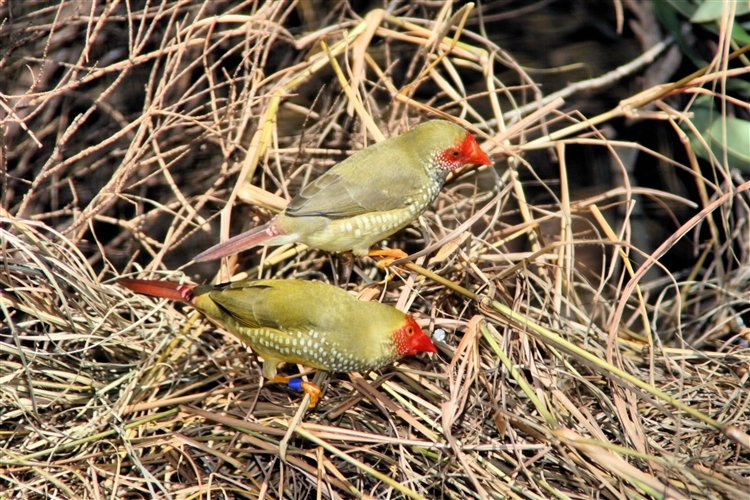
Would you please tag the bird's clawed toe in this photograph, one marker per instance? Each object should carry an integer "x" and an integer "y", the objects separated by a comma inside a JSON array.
[{"x": 388, "y": 254}]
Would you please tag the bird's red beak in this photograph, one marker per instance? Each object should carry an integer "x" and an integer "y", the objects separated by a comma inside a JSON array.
[{"x": 472, "y": 151}]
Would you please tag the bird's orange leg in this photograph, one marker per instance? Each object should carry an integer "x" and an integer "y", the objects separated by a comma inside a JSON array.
[
  {"x": 388, "y": 254},
  {"x": 299, "y": 385}
]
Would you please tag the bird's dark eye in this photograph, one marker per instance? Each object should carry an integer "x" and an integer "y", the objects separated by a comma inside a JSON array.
[
  {"x": 455, "y": 153},
  {"x": 411, "y": 330}
]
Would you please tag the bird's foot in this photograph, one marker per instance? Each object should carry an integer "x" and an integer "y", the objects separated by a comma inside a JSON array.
[
  {"x": 388, "y": 254},
  {"x": 300, "y": 385}
]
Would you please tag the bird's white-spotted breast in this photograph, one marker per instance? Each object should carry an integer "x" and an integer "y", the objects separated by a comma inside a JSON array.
[
  {"x": 360, "y": 232},
  {"x": 312, "y": 348}
]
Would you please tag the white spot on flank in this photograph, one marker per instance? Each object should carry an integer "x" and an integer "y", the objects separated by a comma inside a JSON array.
[
  {"x": 349, "y": 227},
  {"x": 358, "y": 233}
]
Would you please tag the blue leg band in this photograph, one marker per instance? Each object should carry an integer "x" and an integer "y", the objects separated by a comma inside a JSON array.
[{"x": 295, "y": 383}]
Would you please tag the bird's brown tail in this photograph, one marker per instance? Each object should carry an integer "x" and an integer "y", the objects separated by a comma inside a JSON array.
[
  {"x": 161, "y": 289},
  {"x": 240, "y": 242}
]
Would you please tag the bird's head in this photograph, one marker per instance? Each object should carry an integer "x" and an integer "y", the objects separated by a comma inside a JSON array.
[
  {"x": 449, "y": 145},
  {"x": 409, "y": 339}
]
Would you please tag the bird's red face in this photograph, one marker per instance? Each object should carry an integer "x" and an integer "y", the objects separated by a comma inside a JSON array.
[
  {"x": 466, "y": 152},
  {"x": 410, "y": 339}
]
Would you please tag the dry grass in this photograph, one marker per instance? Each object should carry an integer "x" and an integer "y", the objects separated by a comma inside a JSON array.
[{"x": 574, "y": 366}]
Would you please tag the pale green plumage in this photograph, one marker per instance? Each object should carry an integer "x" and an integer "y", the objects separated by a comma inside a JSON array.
[
  {"x": 373, "y": 193},
  {"x": 309, "y": 323},
  {"x": 305, "y": 322},
  {"x": 380, "y": 177},
  {"x": 369, "y": 196}
]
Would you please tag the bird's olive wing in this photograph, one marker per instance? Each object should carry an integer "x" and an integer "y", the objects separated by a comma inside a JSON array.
[
  {"x": 240, "y": 300},
  {"x": 261, "y": 304},
  {"x": 374, "y": 179}
]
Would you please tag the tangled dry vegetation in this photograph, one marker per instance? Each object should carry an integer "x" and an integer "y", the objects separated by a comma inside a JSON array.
[{"x": 574, "y": 365}]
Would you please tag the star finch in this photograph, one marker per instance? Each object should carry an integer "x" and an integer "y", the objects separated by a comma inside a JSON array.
[
  {"x": 305, "y": 322},
  {"x": 369, "y": 196}
]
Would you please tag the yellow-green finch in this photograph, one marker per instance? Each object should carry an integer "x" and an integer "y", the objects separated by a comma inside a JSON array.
[
  {"x": 305, "y": 322},
  {"x": 369, "y": 196}
]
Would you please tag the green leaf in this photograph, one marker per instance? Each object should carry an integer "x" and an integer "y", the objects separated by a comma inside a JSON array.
[
  {"x": 737, "y": 142},
  {"x": 739, "y": 35},
  {"x": 667, "y": 12},
  {"x": 684, "y": 7},
  {"x": 710, "y": 11},
  {"x": 738, "y": 86},
  {"x": 712, "y": 128}
]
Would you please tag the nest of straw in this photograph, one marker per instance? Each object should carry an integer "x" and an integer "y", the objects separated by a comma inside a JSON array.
[{"x": 568, "y": 368}]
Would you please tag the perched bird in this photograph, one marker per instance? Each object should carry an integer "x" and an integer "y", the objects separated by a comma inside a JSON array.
[
  {"x": 369, "y": 196},
  {"x": 305, "y": 322}
]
